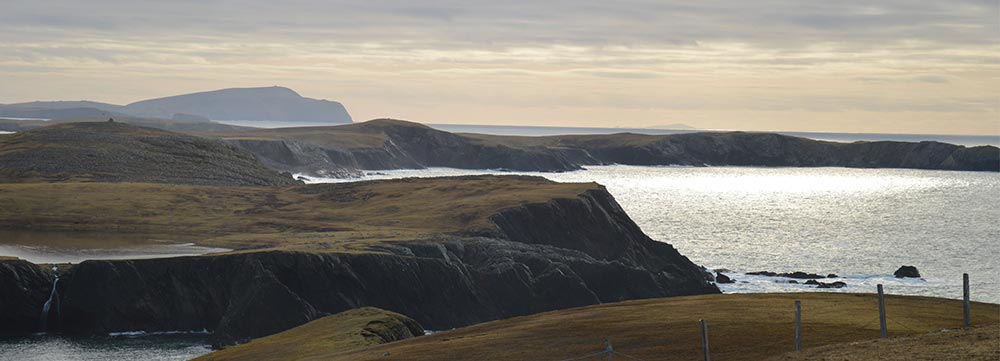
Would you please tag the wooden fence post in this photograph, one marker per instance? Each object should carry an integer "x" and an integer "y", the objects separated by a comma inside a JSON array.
[
  {"x": 965, "y": 297},
  {"x": 881, "y": 312},
  {"x": 704, "y": 339},
  {"x": 798, "y": 326}
]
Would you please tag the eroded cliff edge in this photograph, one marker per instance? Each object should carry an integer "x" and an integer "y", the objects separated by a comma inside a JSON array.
[
  {"x": 536, "y": 257},
  {"x": 392, "y": 144}
]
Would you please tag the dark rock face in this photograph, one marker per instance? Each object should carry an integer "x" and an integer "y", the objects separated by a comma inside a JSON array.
[
  {"x": 542, "y": 257},
  {"x": 116, "y": 152},
  {"x": 721, "y": 278},
  {"x": 796, "y": 275},
  {"x": 907, "y": 272},
  {"x": 24, "y": 288},
  {"x": 837, "y": 284}
]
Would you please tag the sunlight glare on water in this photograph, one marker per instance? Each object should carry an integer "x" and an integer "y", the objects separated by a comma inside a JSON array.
[{"x": 861, "y": 224}]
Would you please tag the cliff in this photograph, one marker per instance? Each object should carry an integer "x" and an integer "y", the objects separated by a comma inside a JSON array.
[
  {"x": 116, "y": 152},
  {"x": 493, "y": 255},
  {"x": 389, "y": 144},
  {"x": 393, "y": 144}
]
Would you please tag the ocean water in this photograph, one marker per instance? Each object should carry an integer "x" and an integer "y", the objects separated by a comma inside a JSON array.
[
  {"x": 75, "y": 247},
  {"x": 121, "y": 347},
  {"x": 860, "y": 224}
]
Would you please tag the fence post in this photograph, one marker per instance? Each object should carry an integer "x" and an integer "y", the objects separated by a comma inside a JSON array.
[
  {"x": 798, "y": 326},
  {"x": 881, "y": 312},
  {"x": 965, "y": 297},
  {"x": 704, "y": 339}
]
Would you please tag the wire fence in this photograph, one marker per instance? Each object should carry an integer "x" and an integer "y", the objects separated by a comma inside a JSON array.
[{"x": 805, "y": 329}]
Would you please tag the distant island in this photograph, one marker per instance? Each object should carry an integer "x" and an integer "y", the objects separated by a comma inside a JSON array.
[{"x": 273, "y": 103}]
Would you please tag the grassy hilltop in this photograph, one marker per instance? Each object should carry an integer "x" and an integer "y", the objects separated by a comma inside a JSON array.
[{"x": 314, "y": 217}]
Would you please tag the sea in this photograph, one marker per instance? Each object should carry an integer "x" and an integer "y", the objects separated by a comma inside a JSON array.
[
  {"x": 859, "y": 224},
  {"x": 966, "y": 140}
]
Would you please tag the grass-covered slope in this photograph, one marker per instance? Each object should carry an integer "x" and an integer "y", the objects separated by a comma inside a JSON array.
[
  {"x": 346, "y": 331},
  {"x": 741, "y": 327},
  {"x": 976, "y": 344},
  {"x": 116, "y": 152}
]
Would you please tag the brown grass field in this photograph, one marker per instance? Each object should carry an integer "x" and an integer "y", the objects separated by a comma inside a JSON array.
[
  {"x": 977, "y": 344},
  {"x": 741, "y": 327},
  {"x": 334, "y": 217}
]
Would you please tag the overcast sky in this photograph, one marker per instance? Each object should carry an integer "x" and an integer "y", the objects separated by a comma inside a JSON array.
[{"x": 842, "y": 66}]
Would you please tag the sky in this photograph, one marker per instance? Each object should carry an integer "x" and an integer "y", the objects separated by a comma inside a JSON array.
[{"x": 884, "y": 66}]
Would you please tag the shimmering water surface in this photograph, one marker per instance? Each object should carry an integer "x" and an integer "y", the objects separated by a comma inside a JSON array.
[
  {"x": 75, "y": 247},
  {"x": 861, "y": 224},
  {"x": 145, "y": 348}
]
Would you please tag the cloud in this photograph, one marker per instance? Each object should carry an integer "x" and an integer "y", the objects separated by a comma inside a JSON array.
[{"x": 880, "y": 56}]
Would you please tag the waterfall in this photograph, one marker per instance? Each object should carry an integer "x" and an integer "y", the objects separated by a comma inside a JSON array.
[{"x": 53, "y": 296}]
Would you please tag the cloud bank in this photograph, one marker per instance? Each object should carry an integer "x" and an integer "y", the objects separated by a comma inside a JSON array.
[{"x": 873, "y": 66}]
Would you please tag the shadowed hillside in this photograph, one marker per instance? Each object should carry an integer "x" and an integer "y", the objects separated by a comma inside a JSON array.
[
  {"x": 393, "y": 144},
  {"x": 116, "y": 152}
]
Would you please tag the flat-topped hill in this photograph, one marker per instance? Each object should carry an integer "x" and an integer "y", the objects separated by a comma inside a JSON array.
[
  {"x": 116, "y": 152},
  {"x": 261, "y": 103},
  {"x": 346, "y": 331},
  {"x": 740, "y": 327}
]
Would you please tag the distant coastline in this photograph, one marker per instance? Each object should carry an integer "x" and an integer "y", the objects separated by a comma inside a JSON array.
[{"x": 966, "y": 140}]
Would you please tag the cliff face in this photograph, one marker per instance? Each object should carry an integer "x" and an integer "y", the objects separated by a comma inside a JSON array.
[
  {"x": 766, "y": 149},
  {"x": 24, "y": 288},
  {"x": 541, "y": 257},
  {"x": 389, "y": 144},
  {"x": 397, "y": 144}
]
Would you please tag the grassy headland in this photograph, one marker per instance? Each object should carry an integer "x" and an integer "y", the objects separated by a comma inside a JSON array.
[{"x": 334, "y": 217}]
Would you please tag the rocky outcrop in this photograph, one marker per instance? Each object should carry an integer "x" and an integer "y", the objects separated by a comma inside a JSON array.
[
  {"x": 546, "y": 256},
  {"x": 116, "y": 152},
  {"x": 352, "y": 330},
  {"x": 796, "y": 275},
  {"x": 907, "y": 272}
]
